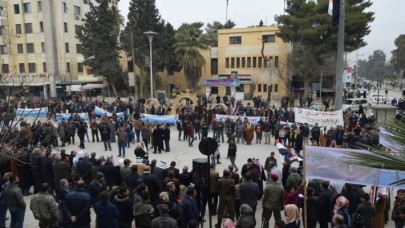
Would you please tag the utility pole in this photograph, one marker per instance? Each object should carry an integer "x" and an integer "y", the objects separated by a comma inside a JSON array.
[
  {"x": 339, "y": 57},
  {"x": 320, "y": 88},
  {"x": 226, "y": 13},
  {"x": 134, "y": 67}
]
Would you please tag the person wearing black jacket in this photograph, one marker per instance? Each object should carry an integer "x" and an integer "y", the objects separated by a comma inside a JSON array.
[
  {"x": 158, "y": 139},
  {"x": 81, "y": 131},
  {"x": 312, "y": 208},
  {"x": 35, "y": 162},
  {"x": 83, "y": 169},
  {"x": 324, "y": 205},
  {"x": 47, "y": 171},
  {"x": 77, "y": 206},
  {"x": 124, "y": 205},
  {"x": 298, "y": 145},
  {"x": 111, "y": 172},
  {"x": 166, "y": 137},
  {"x": 96, "y": 187},
  {"x": 105, "y": 132}
]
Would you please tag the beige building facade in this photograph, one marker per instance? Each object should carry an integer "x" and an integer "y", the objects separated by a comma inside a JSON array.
[
  {"x": 39, "y": 46},
  {"x": 237, "y": 65}
]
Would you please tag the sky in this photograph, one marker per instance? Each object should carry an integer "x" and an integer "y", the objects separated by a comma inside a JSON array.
[{"x": 387, "y": 26}]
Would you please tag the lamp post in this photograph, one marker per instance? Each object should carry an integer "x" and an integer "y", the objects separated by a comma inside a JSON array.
[{"x": 150, "y": 35}]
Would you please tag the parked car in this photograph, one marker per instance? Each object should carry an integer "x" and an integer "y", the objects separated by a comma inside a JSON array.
[
  {"x": 373, "y": 97},
  {"x": 353, "y": 104}
]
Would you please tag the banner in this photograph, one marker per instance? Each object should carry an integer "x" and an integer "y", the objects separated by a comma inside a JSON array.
[
  {"x": 66, "y": 116},
  {"x": 386, "y": 139},
  {"x": 331, "y": 164},
  {"x": 324, "y": 119},
  {"x": 32, "y": 112},
  {"x": 101, "y": 112},
  {"x": 252, "y": 119},
  {"x": 165, "y": 119}
]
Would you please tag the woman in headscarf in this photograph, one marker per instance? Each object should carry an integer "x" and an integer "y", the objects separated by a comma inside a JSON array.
[
  {"x": 292, "y": 216},
  {"x": 342, "y": 208}
]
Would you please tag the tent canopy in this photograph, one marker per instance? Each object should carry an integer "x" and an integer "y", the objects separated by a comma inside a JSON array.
[{"x": 91, "y": 86}]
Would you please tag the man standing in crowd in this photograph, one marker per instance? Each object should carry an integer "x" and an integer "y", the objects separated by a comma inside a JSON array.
[
  {"x": 16, "y": 203},
  {"x": 77, "y": 207},
  {"x": 166, "y": 137},
  {"x": 272, "y": 200},
  {"x": 105, "y": 132},
  {"x": 249, "y": 192},
  {"x": 44, "y": 207},
  {"x": 226, "y": 197}
]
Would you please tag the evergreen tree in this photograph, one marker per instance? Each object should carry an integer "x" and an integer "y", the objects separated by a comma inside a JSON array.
[
  {"x": 99, "y": 41},
  {"x": 308, "y": 27},
  {"x": 398, "y": 56},
  {"x": 143, "y": 16},
  {"x": 212, "y": 31}
]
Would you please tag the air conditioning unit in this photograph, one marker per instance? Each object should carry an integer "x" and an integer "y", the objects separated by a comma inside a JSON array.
[{"x": 77, "y": 16}]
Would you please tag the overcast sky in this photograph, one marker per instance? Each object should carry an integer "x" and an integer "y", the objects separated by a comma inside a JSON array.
[{"x": 388, "y": 24}]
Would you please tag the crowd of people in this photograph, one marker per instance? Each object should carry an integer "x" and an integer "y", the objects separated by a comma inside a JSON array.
[{"x": 67, "y": 186}]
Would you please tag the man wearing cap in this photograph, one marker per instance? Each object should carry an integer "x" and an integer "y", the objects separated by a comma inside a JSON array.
[
  {"x": 272, "y": 200},
  {"x": 226, "y": 195},
  {"x": 164, "y": 220},
  {"x": 97, "y": 186}
]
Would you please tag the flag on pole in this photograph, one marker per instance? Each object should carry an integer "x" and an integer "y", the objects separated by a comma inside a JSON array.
[
  {"x": 333, "y": 10},
  {"x": 286, "y": 153}
]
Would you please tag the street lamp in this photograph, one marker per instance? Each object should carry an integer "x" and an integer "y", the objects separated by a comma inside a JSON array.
[{"x": 150, "y": 35}]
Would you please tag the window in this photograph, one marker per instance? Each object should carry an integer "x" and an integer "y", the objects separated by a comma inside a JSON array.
[
  {"x": 67, "y": 47},
  {"x": 275, "y": 61},
  {"x": 214, "y": 90},
  {"x": 30, "y": 48},
  {"x": 259, "y": 88},
  {"x": 5, "y": 69},
  {"x": 3, "y": 49},
  {"x": 265, "y": 88},
  {"x": 18, "y": 29},
  {"x": 27, "y": 7},
  {"x": 276, "y": 88},
  {"x": 65, "y": 25},
  {"x": 227, "y": 63},
  {"x": 43, "y": 47},
  {"x": 271, "y": 61},
  {"x": 64, "y": 7},
  {"x": 237, "y": 62},
  {"x": 41, "y": 26},
  {"x": 68, "y": 67},
  {"x": 80, "y": 67},
  {"x": 77, "y": 29},
  {"x": 243, "y": 62},
  {"x": 232, "y": 62},
  {"x": 2, "y": 30},
  {"x": 28, "y": 27},
  {"x": 260, "y": 62},
  {"x": 32, "y": 68},
  {"x": 269, "y": 38},
  {"x": 249, "y": 63},
  {"x": 39, "y": 6},
  {"x": 78, "y": 48},
  {"x": 265, "y": 63},
  {"x": 254, "y": 62},
  {"x": 21, "y": 67},
  {"x": 214, "y": 66},
  {"x": 85, "y": 1},
  {"x": 235, "y": 40},
  {"x": 20, "y": 48},
  {"x": 76, "y": 10},
  {"x": 44, "y": 68},
  {"x": 16, "y": 9},
  {"x": 89, "y": 71}
]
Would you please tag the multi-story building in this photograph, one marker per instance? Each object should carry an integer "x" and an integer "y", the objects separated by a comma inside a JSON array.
[
  {"x": 238, "y": 65},
  {"x": 39, "y": 47}
]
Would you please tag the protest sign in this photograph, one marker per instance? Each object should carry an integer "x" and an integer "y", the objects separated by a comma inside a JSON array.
[
  {"x": 164, "y": 119},
  {"x": 332, "y": 164},
  {"x": 31, "y": 112},
  {"x": 324, "y": 119},
  {"x": 65, "y": 116}
]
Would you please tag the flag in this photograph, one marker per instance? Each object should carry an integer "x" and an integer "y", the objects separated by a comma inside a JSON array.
[
  {"x": 333, "y": 10},
  {"x": 287, "y": 154}
]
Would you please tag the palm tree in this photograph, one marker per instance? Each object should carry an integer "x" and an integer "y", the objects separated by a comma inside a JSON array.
[
  {"x": 378, "y": 158},
  {"x": 190, "y": 40}
]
